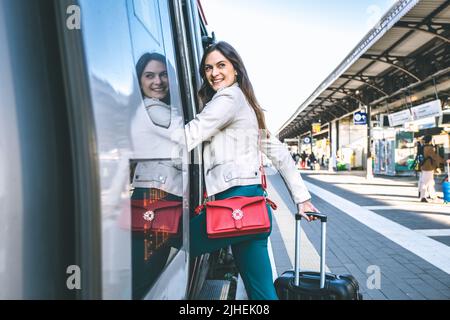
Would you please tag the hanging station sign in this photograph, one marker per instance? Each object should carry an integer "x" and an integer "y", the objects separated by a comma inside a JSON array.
[
  {"x": 315, "y": 127},
  {"x": 399, "y": 118},
  {"x": 425, "y": 110},
  {"x": 359, "y": 118}
]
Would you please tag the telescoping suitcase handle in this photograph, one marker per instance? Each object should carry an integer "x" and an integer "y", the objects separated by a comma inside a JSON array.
[{"x": 298, "y": 227}]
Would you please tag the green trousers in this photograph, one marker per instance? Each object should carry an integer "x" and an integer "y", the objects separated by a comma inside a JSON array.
[{"x": 250, "y": 252}]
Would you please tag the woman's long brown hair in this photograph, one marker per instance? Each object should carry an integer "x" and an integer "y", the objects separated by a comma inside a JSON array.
[{"x": 206, "y": 93}]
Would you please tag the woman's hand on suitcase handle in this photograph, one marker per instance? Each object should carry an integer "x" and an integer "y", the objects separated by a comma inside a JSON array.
[{"x": 305, "y": 207}]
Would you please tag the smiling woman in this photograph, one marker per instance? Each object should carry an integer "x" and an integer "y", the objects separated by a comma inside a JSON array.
[
  {"x": 232, "y": 122},
  {"x": 219, "y": 71},
  {"x": 222, "y": 66}
]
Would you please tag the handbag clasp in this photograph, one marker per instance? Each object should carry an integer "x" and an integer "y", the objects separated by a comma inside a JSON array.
[
  {"x": 237, "y": 214},
  {"x": 149, "y": 215}
]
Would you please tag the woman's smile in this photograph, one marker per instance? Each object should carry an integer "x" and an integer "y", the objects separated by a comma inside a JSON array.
[{"x": 219, "y": 71}]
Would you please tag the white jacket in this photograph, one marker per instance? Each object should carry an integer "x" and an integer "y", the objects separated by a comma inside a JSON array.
[{"x": 231, "y": 156}]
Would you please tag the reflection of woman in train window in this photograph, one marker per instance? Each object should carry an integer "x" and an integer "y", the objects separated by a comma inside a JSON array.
[
  {"x": 157, "y": 186},
  {"x": 153, "y": 78},
  {"x": 229, "y": 125},
  {"x": 152, "y": 128}
]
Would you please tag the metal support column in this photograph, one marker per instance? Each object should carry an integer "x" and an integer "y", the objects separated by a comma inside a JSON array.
[{"x": 369, "y": 173}]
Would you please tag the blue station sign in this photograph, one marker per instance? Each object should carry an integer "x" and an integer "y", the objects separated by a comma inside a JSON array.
[{"x": 359, "y": 117}]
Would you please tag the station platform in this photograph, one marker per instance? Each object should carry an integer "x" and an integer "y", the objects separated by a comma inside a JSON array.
[{"x": 375, "y": 227}]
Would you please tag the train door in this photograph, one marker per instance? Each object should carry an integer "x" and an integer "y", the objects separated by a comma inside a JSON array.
[
  {"x": 139, "y": 129},
  {"x": 159, "y": 166}
]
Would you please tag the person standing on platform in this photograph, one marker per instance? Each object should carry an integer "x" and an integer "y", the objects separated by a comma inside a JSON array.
[{"x": 431, "y": 161}]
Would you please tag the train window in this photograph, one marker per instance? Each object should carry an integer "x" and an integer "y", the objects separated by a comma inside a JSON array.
[
  {"x": 147, "y": 13},
  {"x": 156, "y": 169}
]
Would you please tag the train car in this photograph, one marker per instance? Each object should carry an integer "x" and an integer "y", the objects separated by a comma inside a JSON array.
[{"x": 96, "y": 185}]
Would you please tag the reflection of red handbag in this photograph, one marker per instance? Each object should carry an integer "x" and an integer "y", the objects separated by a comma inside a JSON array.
[
  {"x": 160, "y": 216},
  {"x": 238, "y": 216}
]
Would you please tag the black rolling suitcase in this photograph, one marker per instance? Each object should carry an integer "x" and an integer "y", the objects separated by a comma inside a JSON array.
[{"x": 308, "y": 285}]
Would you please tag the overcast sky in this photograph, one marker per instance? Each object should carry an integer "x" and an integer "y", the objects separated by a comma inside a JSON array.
[{"x": 290, "y": 46}]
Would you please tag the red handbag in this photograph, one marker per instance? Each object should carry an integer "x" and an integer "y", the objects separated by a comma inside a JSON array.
[
  {"x": 238, "y": 216},
  {"x": 157, "y": 216}
]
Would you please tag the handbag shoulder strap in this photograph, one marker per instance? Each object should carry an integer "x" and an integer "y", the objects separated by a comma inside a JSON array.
[{"x": 261, "y": 165}]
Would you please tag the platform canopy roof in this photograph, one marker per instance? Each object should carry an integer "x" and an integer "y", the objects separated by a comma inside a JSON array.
[{"x": 404, "y": 59}]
